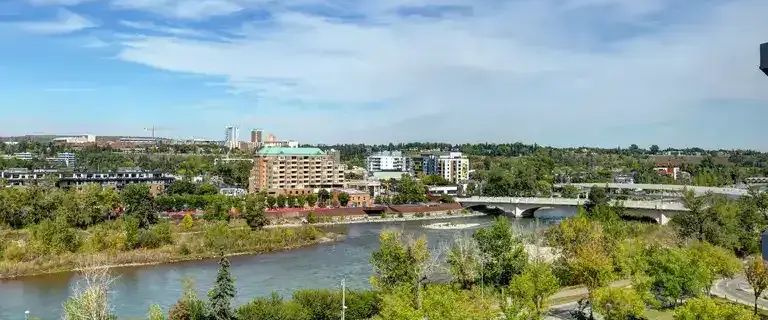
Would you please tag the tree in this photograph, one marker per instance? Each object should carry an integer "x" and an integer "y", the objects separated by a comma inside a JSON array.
[
  {"x": 440, "y": 302},
  {"x": 597, "y": 197},
  {"x": 464, "y": 262},
  {"x": 271, "y": 201},
  {"x": 533, "y": 287},
  {"x": 187, "y": 223},
  {"x": 570, "y": 191},
  {"x": 322, "y": 197},
  {"x": 715, "y": 262},
  {"x": 395, "y": 260},
  {"x": 618, "y": 303},
  {"x": 301, "y": 201},
  {"x": 222, "y": 293},
  {"x": 281, "y": 199},
  {"x": 756, "y": 272},
  {"x": 501, "y": 252},
  {"x": 90, "y": 298},
  {"x": 709, "y": 309},
  {"x": 181, "y": 187},
  {"x": 675, "y": 275},
  {"x": 253, "y": 212},
  {"x": 189, "y": 306},
  {"x": 343, "y": 199},
  {"x": 709, "y": 218},
  {"x": 139, "y": 203},
  {"x": 290, "y": 201},
  {"x": 654, "y": 149},
  {"x": 155, "y": 313},
  {"x": 273, "y": 308},
  {"x": 311, "y": 200},
  {"x": 410, "y": 190}
]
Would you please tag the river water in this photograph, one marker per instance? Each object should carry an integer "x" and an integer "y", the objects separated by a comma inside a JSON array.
[{"x": 319, "y": 266}]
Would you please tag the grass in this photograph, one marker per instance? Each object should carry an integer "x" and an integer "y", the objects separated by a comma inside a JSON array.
[{"x": 209, "y": 241}]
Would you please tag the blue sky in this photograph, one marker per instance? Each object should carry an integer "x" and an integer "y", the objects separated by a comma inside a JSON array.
[{"x": 555, "y": 72}]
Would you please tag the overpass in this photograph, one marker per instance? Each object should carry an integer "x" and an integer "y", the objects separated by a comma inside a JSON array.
[
  {"x": 527, "y": 207},
  {"x": 659, "y": 187}
]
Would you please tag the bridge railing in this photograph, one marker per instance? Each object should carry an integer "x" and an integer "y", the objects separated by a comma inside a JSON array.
[{"x": 631, "y": 204}]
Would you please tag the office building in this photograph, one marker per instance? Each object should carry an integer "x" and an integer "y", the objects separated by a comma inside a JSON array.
[
  {"x": 388, "y": 161},
  {"x": 77, "y": 139},
  {"x": 63, "y": 159},
  {"x": 257, "y": 136},
  {"x": 232, "y": 137},
  {"x": 292, "y": 171},
  {"x": 20, "y": 156},
  {"x": 453, "y": 166}
]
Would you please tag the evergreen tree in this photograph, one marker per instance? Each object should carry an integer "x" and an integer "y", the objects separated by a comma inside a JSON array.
[{"x": 222, "y": 293}]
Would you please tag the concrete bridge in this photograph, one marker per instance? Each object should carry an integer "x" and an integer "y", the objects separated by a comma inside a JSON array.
[
  {"x": 659, "y": 211},
  {"x": 698, "y": 190}
]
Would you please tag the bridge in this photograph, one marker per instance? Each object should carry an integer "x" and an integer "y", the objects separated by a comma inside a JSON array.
[
  {"x": 660, "y": 187},
  {"x": 659, "y": 211}
]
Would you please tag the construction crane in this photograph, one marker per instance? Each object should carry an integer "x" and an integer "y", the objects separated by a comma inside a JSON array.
[{"x": 154, "y": 129}]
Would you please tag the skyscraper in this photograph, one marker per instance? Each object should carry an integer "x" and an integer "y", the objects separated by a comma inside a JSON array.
[
  {"x": 231, "y": 137},
  {"x": 256, "y": 136}
]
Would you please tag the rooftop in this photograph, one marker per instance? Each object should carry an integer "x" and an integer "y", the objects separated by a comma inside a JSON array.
[{"x": 279, "y": 151}]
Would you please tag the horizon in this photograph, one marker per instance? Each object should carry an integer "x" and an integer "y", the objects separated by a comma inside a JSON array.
[{"x": 558, "y": 73}]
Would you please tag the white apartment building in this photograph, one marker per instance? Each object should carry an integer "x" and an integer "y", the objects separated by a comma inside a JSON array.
[
  {"x": 388, "y": 161},
  {"x": 453, "y": 166},
  {"x": 231, "y": 137},
  {"x": 77, "y": 139}
]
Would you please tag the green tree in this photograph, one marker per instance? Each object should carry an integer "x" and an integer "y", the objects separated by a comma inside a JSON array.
[
  {"x": 400, "y": 262},
  {"x": 271, "y": 201},
  {"x": 189, "y": 306},
  {"x": 155, "y": 313},
  {"x": 533, "y": 287},
  {"x": 464, "y": 262},
  {"x": 674, "y": 275},
  {"x": 139, "y": 203},
  {"x": 311, "y": 200},
  {"x": 131, "y": 229},
  {"x": 570, "y": 191},
  {"x": 715, "y": 262},
  {"x": 222, "y": 293},
  {"x": 273, "y": 308},
  {"x": 597, "y": 197},
  {"x": 618, "y": 303},
  {"x": 709, "y": 309},
  {"x": 253, "y": 212},
  {"x": 90, "y": 300},
  {"x": 501, "y": 252},
  {"x": 654, "y": 149},
  {"x": 281, "y": 200},
  {"x": 439, "y": 302},
  {"x": 343, "y": 199},
  {"x": 301, "y": 201},
  {"x": 756, "y": 272},
  {"x": 181, "y": 187},
  {"x": 323, "y": 196},
  {"x": 187, "y": 223}
]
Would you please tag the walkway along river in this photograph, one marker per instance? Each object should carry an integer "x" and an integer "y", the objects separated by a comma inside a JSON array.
[{"x": 321, "y": 266}]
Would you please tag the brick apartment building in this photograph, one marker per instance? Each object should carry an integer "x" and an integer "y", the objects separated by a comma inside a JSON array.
[{"x": 294, "y": 171}]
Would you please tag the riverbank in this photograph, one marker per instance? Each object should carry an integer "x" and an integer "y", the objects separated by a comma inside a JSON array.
[
  {"x": 434, "y": 215},
  {"x": 214, "y": 241}
]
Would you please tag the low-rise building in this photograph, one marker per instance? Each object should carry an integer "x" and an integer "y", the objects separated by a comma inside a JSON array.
[
  {"x": 443, "y": 190},
  {"x": 20, "y": 156},
  {"x": 233, "y": 192},
  {"x": 372, "y": 187},
  {"x": 63, "y": 159},
  {"x": 68, "y": 179},
  {"x": 285, "y": 170},
  {"x": 357, "y": 198}
]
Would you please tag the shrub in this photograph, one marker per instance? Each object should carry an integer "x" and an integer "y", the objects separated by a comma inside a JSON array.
[
  {"x": 312, "y": 217},
  {"x": 54, "y": 237},
  {"x": 399, "y": 214},
  {"x": 273, "y": 307},
  {"x": 15, "y": 251},
  {"x": 131, "y": 229},
  {"x": 322, "y": 304},
  {"x": 419, "y": 214},
  {"x": 187, "y": 223},
  {"x": 148, "y": 239},
  {"x": 217, "y": 236}
]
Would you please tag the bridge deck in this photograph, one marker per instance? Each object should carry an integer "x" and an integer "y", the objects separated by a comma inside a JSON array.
[{"x": 631, "y": 204}]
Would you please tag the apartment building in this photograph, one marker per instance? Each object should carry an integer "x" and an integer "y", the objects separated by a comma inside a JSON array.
[
  {"x": 63, "y": 159},
  {"x": 295, "y": 170},
  {"x": 388, "y": 161},
  {"x": 453, "y": 166},
  {"x": 68, "y": 179}
]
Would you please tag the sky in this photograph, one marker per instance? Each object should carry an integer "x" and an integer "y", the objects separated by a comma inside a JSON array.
[{"x": 676, "y": 73}]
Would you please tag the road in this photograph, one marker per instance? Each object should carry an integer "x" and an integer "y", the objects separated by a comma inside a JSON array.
[{"x": 738, "y": 290}]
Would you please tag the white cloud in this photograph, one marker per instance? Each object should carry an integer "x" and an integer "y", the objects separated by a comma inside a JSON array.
[
  {"x": 66, "y": 22},
  {"x": 154, "y": 27},
  {"x": 514, "y": 71},
  {"x": 183, "y": 9},
  {"x": 57, "y": 2}
]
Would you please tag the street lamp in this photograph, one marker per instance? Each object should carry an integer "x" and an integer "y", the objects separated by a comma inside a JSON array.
[{"x": 764, "y": 57}]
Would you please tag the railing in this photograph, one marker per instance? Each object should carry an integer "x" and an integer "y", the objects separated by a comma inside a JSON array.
[{"x": 632, "y": 204}]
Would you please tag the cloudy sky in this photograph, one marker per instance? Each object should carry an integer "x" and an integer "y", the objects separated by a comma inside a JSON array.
[{"x": 555, "y": 72}]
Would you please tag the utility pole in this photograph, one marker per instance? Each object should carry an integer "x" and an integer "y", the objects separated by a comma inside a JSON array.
[{"x": 343, "y": 297}]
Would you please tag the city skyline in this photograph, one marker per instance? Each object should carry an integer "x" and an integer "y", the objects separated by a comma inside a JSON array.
[{"x": 562, "y": 73}]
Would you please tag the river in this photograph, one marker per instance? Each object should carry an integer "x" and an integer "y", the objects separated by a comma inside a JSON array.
[{"x": 319, "y": 266}]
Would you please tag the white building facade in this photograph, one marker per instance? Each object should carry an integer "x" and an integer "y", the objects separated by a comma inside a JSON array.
[
  {"x": 453, "y": 166},
  {"x": 232, "y": 137},
  {"x": 388, "y": 161}
]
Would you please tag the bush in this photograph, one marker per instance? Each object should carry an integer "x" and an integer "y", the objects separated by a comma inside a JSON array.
[
  {"x": 54, "y": 237},
  {"x": 187, "y": 223},
  {"x": 312, "y": 217},
  {"x": 399, "y": 214},
  {"x": 273, "y": 308},
  {"x": 218, "y": 236},
  {"x": 322, "y": 304},
  {"x": 15, "y": 251},
  {"x": 419, "y": 214}
]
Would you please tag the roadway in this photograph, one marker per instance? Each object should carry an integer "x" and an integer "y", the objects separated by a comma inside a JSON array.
[
  {"x": 738, "y": 290},
  {"x": 630, "y": 204},
  {"x": 660, "y": 187}
]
